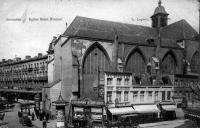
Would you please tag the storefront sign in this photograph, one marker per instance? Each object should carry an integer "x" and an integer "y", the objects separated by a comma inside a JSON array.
[
  {"x": 78, "y": 109},
  {"x": 87, "y": 102},
  {"x": 96, "y": 117},
  {"x": 96, "y": 110}
]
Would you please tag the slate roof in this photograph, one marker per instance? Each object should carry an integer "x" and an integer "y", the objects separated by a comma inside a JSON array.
[
  {"x": 178, "y": 31},
  {"x": 87, "y": 27},
  {"x": 128, "y": 33}
]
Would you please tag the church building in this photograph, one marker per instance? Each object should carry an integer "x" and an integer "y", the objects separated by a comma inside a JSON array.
[{"x": 154, "y": 57}]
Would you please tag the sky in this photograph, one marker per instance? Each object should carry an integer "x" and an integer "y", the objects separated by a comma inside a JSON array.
[{"x": 26, "y": 28}]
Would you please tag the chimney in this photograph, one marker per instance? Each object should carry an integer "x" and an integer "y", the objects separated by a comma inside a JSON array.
[
  {"x": 66, "y": 24},
  {"x": 27, "y": 57},
  {"x": 3, "y": 60},
  {"x": 39, "y": 54}
]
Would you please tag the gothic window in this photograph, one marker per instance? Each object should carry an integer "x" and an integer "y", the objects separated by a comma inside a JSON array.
[
  {"x": 95, "y": 60},
  {"x": 195, "y": 63},
  {"x": 135, "y": 63},
  {"x": 168, "y": 65}
]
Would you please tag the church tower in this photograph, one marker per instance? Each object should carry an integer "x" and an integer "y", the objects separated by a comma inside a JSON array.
[{"x": 160, "y": 16}]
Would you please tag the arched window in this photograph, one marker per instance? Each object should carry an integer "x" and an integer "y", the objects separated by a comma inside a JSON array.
[
  {"x": 195, "y": 63},
  {"x": 94, "y": 59},
  {"x": 168, "y": 65},
  {"x": 135, "y": 62}
]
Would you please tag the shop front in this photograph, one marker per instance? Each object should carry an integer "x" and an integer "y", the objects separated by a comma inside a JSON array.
[
  {"x": 87, "y": 113},
  {"x": 147, "y": 113},
  {"x": 180, "y": 101},
  {"x": 121, "y": 117},
  {"x": 168, "y": 111}
]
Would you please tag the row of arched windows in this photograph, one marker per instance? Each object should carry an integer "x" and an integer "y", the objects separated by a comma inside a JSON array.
[{"x": 97, "y": 58}]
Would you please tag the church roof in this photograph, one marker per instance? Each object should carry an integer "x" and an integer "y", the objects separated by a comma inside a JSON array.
[
  {"x": 100, "y": 29},
  {"x": 178, "y": 31},
  {"x": 128, "y": 33}
]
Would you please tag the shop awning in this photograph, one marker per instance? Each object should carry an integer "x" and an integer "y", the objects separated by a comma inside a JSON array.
[
  {"x": 121, "y": 111},
  {"x": 130, "y": 115},
  {"x": 146, "y": 108},
  {"x": 169, "y": 107}
]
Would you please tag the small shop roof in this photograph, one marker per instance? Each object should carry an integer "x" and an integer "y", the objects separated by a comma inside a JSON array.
[
  {"x": 122, "y": 111},
  {"x": 169, "y": 107},
  {"x": 148, "y": 108}
]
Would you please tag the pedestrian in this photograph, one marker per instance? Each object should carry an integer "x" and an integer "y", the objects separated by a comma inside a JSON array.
[
  {"x": 20, "y": 116},
  {"x": 40, "y": 115},
  {"x": 37, "y": 113},
  {"x": 43, "y": 115},
  {"x": 33, "y": 116},
  {"x": 44, "y": 123},
  {"x": 29, "y": 111},
  {"x": 47, "y": 116}
]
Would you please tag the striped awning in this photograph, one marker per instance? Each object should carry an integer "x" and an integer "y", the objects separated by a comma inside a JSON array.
[
  {"x": 122, "y": 111},
  {"x": 169, "y": 107},
  {"x": 146, "y": 108}
]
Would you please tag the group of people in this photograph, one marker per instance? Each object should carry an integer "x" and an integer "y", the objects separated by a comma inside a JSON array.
[
  {"x": 41, "y": 115},
  {"x": 37, "y": 114},
  {"x": 25, "y": 116}
]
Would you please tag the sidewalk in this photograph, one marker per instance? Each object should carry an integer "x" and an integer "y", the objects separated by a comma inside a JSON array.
[
  {"x": 163, "y": 123},
  {"x": 50, "y": 124}
]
